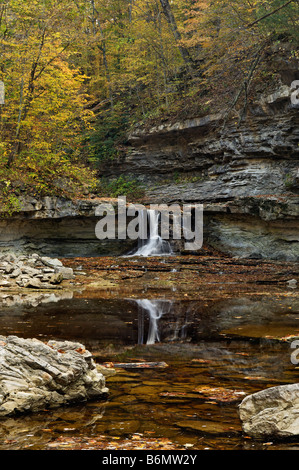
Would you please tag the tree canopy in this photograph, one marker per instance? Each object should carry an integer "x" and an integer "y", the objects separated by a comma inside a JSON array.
[{"x": 79, "y": 73}]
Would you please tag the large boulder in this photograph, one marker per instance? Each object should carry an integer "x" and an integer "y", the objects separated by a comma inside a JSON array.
[
  {"x": 273, "y": 412},
  {"x": 35, "y": 375}
]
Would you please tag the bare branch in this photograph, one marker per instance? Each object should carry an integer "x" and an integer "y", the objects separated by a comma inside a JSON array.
[{"x": 270, "y": 13}]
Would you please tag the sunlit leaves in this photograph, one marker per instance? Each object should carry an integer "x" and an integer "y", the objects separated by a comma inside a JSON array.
[
  {"x": 43, "y": 121},
  {"x": 79, "y": 74}
]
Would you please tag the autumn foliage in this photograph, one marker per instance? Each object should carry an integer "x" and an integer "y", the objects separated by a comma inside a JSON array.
[{"x": 78, "y": 74}]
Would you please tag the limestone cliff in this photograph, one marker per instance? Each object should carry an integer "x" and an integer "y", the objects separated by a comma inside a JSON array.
[
  {"x": 56, "y": 226},
  {"x": 247, "y": 175}
]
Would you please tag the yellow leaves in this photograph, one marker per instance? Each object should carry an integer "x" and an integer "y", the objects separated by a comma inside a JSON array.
[
  {"x": 44, "y": 97},
  {"x": 206, "y": 42},
  {"x": 57, "y": 55}
]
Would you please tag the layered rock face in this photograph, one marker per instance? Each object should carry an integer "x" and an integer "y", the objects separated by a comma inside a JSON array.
[
  {"x": 57, "y": 227},
  {"x": 246, "y": 176},
  {"x": 35, "y": 376}
]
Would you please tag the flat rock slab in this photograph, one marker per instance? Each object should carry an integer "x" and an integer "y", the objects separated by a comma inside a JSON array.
[
  {"x": 273, "y": 412},
  {"x": 35, "y": 376},
  {"x": 208, "y": 427},
  {"x": 51, "y": 262}
]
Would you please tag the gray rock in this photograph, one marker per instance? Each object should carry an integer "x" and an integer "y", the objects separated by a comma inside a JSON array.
[
  {"x": 56, "y": 278},
  {"x": 67, "y": 273},
  {"x": 30, "y": 271},
  {"x": 33, "y": 272},
  {"x": 9, "y": 269},
  {"x": 273, "y": 412},
  {"x": 31, "y": 262},
  {"x": 48, "y": 270},
  {"x": 51, "y": 262},
  {"x": 16, "y": 273},
  {"x": 46, "y": 277},
  {"x": 32, "y": 284},
  {"x": 10, "y": 258},
  {"x": 35, "y": 376},
  {"x": 48, "y": 286},
  {"x": 4, "y": 283}
]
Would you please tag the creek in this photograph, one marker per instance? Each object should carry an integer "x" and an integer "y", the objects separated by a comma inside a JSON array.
[{"x": 215, "y": 349}]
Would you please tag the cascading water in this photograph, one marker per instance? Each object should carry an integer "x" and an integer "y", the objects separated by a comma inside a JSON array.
[
  {"x": 154, "y": 309},
  {"x": 154, "y": 245}
]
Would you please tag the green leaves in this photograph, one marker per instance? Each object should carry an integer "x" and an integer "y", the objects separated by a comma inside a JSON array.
[{"x": 122, "y": 186}]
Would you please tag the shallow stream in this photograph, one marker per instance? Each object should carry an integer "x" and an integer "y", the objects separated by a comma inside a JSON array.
[{"x": 211, "y": 352}]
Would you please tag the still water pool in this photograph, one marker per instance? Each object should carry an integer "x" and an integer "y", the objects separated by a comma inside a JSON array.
[{"x": 214, "y": 352}]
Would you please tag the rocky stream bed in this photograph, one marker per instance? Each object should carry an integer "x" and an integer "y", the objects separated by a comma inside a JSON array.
[{"x": 179, "y": 341}]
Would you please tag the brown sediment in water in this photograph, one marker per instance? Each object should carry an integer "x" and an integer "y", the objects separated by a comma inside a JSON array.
[{"x": 225, "y": 336}]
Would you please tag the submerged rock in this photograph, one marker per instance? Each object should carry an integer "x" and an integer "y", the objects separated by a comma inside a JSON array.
[
  {"x": 35, "y": 375},
  {"x": 208, "y": 427},
  {"x": 273, "y": 412}
]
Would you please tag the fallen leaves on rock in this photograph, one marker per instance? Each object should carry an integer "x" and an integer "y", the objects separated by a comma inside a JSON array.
[{"x": 220, "y": 394}]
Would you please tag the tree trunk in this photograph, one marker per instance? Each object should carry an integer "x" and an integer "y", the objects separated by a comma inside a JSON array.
[
  {"x": 23, "y": 109},
  {"x": 97, "y": 23},
  {"x": 130, "y": 10},
  {"x": 174, "y": 28}
]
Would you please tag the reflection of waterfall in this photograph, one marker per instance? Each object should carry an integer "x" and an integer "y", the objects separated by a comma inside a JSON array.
[
  {"x": 154, "y": 245},
  {"x": 154, "y": 309}
]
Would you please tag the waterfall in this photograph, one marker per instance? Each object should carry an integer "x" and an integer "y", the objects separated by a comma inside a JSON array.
[
  {"x": 154, "y": 309},
  {"x": 154, "y": 245}
]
